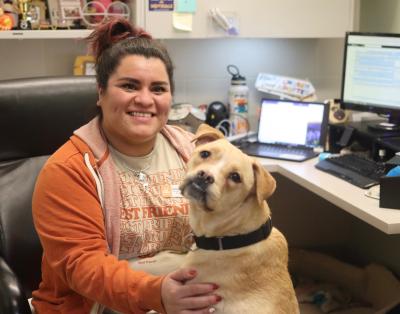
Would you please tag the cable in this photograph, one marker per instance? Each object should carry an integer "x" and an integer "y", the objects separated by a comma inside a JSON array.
[{"x": 222, "y": 128}]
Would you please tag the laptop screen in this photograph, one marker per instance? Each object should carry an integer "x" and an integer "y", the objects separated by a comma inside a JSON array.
[{"x": 293, "y": 122}]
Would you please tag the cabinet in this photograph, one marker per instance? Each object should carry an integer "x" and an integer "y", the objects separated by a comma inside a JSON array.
[
  {"x": 262, "y": 18},
  {"x": 255, "y": 19}
]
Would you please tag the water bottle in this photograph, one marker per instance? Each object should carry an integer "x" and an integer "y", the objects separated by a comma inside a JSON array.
[{"x": 238, "y": 101}]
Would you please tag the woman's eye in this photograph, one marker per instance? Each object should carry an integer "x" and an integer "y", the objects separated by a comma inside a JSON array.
[
  {"x": 159, "y": 89},
  {"x": 235, "y": 177},
  {"x": 205, "y": 154},
  {"x": 129, "y": 87}
]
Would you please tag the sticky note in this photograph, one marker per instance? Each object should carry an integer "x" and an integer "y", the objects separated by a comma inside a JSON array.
[
  {"x": 186, "y": 6},
  {"x": 182, "y": 21}
]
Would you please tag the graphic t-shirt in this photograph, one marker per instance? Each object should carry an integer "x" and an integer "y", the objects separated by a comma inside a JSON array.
[{"x": 154, "y": 215}]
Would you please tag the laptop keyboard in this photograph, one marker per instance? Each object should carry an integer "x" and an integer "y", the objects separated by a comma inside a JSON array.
[
  {"x": 281, "y": 149},
  {"x": 277, "y": 151}
]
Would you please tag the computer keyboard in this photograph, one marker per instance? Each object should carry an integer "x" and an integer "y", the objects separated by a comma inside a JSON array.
[{"x": 354, "y": 169}]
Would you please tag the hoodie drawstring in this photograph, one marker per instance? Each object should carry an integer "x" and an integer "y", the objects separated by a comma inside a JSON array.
[
  {"x": 96, "y": 308},
  {"x": 97, "y": 179}
]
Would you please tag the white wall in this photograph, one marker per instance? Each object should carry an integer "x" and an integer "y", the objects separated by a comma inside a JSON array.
[
  {"x": 380, "y": 16},
  {"x": 200, "y": 75}
]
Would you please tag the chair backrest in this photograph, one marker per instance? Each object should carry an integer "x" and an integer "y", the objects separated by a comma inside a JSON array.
[{"x": 37, "y": 115}]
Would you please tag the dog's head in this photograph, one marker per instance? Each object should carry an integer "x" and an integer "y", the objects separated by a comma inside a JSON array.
[{"x": 224, "y": 185}]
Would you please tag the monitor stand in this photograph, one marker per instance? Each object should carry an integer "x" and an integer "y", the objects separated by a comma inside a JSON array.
[{"x": 392, "y": 125}]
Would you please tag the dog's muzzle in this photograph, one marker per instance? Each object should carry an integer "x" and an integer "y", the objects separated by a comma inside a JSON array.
[{"x": 196, "y": 186}]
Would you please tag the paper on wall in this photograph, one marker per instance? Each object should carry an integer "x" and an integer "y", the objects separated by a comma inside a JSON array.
[
  {"x": 182, "y": 21},
  {"x": 186, "y": 6},
  {"x": 285, "y": 87}
]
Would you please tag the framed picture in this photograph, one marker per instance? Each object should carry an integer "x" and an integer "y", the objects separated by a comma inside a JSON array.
[
  {"x": 84, "y": 65},
  {"x": 37, "y": 13},
  {"x": 70, "y": 9},
  {"x": 54, "y": 12},
  {"x": 62, "y": 13},
  {"x": 89, "y": 68}
]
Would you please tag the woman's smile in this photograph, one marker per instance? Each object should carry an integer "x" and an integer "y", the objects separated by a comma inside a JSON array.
[{"x": 141, "y": 114}]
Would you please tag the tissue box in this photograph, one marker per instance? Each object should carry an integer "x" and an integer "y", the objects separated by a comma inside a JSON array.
[{"x": 389, "y": 192}]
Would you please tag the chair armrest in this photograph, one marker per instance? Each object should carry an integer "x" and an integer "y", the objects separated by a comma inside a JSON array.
[{"x": 12, "y": 297}]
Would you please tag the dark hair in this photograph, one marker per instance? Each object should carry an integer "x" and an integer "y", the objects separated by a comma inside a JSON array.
[{"x": 117, "y": 38}]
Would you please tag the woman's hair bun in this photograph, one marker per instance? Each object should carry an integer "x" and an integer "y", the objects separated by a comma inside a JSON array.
[{"x": 113, "y": 31}]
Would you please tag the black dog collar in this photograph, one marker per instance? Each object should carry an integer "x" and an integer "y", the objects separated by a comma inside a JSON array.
[{"x": 234, "y": 242}]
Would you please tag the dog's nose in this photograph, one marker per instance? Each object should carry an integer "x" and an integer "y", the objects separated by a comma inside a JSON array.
[{"x": 203, "y": 179}]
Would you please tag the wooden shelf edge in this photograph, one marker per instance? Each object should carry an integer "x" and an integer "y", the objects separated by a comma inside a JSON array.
[{"x": 45, "y": 34}]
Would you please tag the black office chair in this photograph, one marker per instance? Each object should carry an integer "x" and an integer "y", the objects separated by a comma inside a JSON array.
[{"x": 37, "y": 115}]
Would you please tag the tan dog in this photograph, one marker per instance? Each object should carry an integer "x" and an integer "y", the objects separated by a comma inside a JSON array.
[{"x": 227, "y": 191}]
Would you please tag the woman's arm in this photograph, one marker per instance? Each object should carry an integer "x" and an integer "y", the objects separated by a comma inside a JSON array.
[{"x": 70, "y": 224}]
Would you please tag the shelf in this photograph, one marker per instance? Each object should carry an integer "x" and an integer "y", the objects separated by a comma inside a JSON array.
[{"x": 45, "y": 34}]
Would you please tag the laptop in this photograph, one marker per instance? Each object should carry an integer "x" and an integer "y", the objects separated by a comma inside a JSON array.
[{"x": 289, "y": 130}]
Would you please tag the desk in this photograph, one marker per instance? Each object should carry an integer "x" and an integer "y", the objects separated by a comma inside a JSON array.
[{"x": 342, "y": 194}]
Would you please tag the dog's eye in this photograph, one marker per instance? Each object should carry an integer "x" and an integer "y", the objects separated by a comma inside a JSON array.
[
  {"x": 205, "y": 154},
  {"x": 235, "y": 177}
]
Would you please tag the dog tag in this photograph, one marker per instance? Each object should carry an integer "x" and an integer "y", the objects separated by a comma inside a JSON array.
[{"x": 142, "y": 177}]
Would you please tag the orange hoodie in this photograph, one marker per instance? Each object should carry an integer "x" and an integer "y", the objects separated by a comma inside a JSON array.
[{"x": 76, "y": 214}]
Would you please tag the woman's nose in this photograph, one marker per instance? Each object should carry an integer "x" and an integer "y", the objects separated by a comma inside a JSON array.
[{"x": 144, "y": 97}]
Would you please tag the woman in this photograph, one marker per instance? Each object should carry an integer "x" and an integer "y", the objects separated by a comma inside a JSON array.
[{"x": 109, "y": 194}]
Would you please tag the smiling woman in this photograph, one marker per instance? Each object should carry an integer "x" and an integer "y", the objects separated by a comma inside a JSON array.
[{"x": 106, "y": 196}]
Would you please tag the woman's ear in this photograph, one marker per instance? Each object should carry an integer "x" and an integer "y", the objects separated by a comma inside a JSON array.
[{"x": 100, "y": 94}]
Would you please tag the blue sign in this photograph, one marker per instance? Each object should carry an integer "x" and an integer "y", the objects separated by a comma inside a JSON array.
[{"x": 161, "y": 5}]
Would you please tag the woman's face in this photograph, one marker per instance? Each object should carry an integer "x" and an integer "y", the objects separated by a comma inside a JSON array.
[{"x": 136, "y": 104}]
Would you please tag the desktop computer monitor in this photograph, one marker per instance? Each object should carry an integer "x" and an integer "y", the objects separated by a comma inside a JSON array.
[{"x": 371, "y": 76}]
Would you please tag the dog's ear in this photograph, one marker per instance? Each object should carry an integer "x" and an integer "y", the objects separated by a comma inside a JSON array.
[
  {"x": 265, "y": 184},
  {"x": 206, "y": 134}
]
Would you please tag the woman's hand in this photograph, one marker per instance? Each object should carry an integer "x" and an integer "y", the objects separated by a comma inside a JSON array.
[{"x": 182, "y": 297}]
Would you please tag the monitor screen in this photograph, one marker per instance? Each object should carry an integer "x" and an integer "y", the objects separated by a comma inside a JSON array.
[{"x": 371, "y": 73}]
